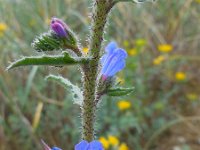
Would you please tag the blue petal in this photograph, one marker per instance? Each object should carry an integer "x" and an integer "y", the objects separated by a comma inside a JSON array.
[
  {"x": 95, "y": 145},
  {"x": 103, "y": 58},
  {"x": 105, "y": 65},
  {"x": 122, "y": 52},
  {"x": 56, "y": 148},
  {"x": 83, "y": 145},
  {"x": 111, "y": 47},
  {"x": 106, "y": 61},
  {"x": 114, "y": 63},
  {"x": 118, "y": 67}
]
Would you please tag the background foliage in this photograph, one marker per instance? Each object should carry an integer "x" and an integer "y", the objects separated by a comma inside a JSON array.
[{"x": 162, "y": 40}]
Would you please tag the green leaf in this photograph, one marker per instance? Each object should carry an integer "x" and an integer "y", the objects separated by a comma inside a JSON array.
[
  {"x": 75, "y": 90},
  {"x": 119, "y": 91},
  {"x": 50, "y": 41},
  {"x": 47, "y": 42},
  {"x": 49, "y": 60}
]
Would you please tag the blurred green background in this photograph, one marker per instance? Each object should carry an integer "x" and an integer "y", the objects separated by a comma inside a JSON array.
[{"x": 163, "y": 43}]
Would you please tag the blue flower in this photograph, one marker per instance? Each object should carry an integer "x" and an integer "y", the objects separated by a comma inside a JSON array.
[
  {"x": 56, "y": 148},
  {"x": 84, "y": 145},
  {"x": 59, "y": 27},
  {"x": 113, "y": 60},
  {"x": 46, "y": 147}
]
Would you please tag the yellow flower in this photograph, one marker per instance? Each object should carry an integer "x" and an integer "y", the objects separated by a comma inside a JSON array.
[
  {"x": 159, "y": 106},
  {"x": 140, "y": 42},
  {"x": 192, "y": 96},
  {"x": 113, "y": 140},
  {"x": 1, "y": 34},
  {"x": 126, "y": 44},
  {"x": 198, "y": 1},
  {"x": 165, "y": 48},
  {"x": 132, "y": 52},
  {"x": 120, "y": 80},
  {"x": 158, "y": 60},
  {"x": 104, "y": 142},
  {"x": 32, "y": 22},
  {"x": 47, "y": 21},
  {"x": 123, "y": 146},
  {"x": 123, "y": 105},
  {"x": 85, "y": 50},
  {"x": 3, "y": 27},
  {"x": 180, "y": 76}
]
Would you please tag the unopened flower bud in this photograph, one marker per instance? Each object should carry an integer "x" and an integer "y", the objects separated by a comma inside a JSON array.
[
  {"x": 59, "y": 27},
  {"x": 64, "y": 33}
]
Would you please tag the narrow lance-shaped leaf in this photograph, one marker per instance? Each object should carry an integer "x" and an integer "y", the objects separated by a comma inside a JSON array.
[
  {"x": 119, "y": 91},
  {"x": 76, "y": 92},
  {"x": 49, "y": 60}
]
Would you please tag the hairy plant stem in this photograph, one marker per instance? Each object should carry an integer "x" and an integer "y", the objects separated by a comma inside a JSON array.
[{"x": 101, "y": 9}]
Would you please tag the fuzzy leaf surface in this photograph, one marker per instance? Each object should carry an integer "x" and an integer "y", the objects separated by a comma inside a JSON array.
[
  {"x": 119, "y": 91},
  {"x": 75, "y": 90},
  {"x": 47, "y": 42},
  {"x": 48, "y": 60}
]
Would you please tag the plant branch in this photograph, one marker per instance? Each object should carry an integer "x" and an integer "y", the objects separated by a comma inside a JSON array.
[{"x": 101, "y": 8}]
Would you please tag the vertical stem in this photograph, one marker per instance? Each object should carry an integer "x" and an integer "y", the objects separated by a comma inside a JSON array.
[{"x": 99, "y": 16}]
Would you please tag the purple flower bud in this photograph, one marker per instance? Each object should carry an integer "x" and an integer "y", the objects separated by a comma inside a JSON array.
[
  {"x": 84, "y": 145},
  {"x": 113, "y": 60},
  {"x": 59, "y": 27},
  {"x": 46, "y": 147}
]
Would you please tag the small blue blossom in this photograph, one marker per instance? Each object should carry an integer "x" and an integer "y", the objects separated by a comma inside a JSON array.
[
  {"x": 113, "y": 60},
  {"x": 59, "y": 27},
  {"x": 46, "y": 147},
  {"x": 56, "y": 148},
  {"x": 84, "y": 145}
]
